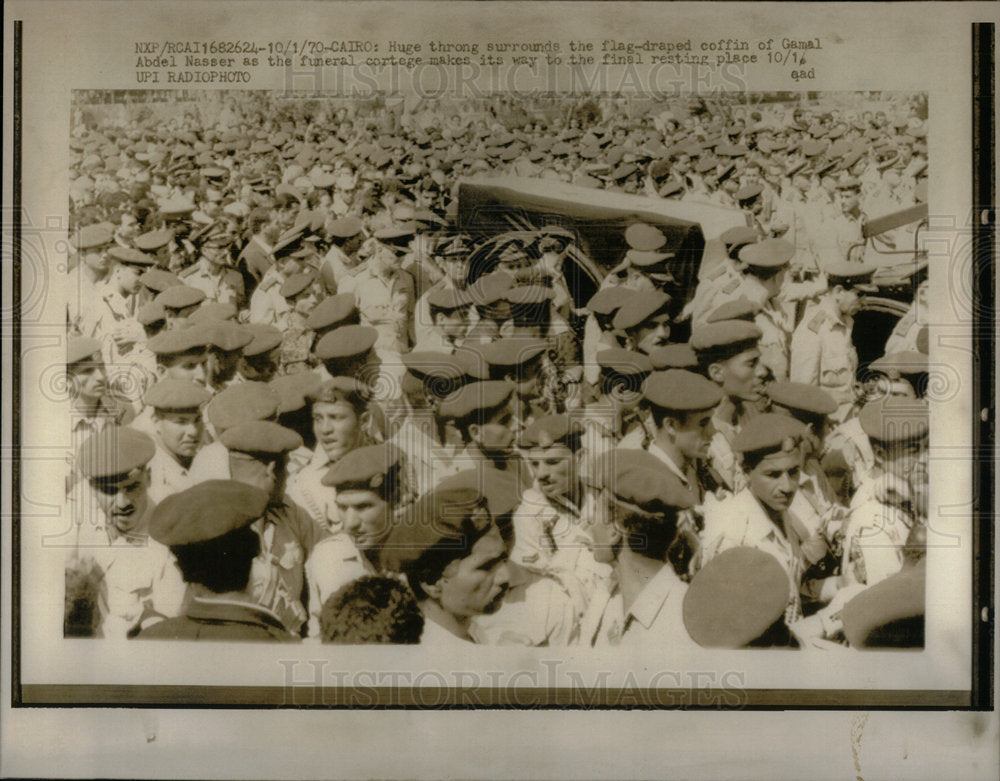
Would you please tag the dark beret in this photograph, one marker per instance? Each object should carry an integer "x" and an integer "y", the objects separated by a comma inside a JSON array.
[
  {"x": 206, "y": 511},
  {"x": 114, "y": 451},
  {"x": 260, "y": 436}
]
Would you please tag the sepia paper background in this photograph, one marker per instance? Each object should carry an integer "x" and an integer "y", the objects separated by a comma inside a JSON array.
[{"x": 894, "y": 47}]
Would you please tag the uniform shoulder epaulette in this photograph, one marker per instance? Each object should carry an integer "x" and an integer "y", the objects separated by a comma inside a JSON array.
[
  {"x": 187, "y": 271},
  {"x": 731, "y": 286},
  {"x": 817, "y": 322},
  {"x": 717, "y": 272}
]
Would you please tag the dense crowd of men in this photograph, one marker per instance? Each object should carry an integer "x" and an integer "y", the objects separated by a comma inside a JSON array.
[{"x": 309, "y": 404}]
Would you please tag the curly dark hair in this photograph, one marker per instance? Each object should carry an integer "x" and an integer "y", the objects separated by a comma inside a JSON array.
[{"x": 372, "y": 609}]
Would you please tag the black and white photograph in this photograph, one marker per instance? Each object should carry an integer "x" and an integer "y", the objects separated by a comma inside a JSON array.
[{"x": 555, "y": 377}]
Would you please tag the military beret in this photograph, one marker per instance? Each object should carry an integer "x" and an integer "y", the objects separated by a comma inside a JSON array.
[
  {"x": 738, "y": 236},
  {"x": 433, "y": 365},
  {"x": 644, "y": 237},
  {"x": 158, "y": 280},
  {"x": 549, "y": 430},
  {"x": 260, "y": 436},
  {"x": 802, "y": 397},
  {"x": 513, "y": 351},
  {"x": 456, "y": 246},
  {"x": 295, "y": 391},
  {"x": 176, "y": 207},
  {"x": 206, "y": 512},
  {"x": 131, "y": 257},
  {"x": 213, "y": 312},
  {"x": 894, "y": 419},
  {"x": 741, "y": 308},
  {"x": 749, "y": 191},
  {"x": 501, "y": 489},
  {"x": 296, "y": 284},
  {"x": 770, "y": 253},
  {"x": 735, "y": 598},
  {"x": 901, "y": 363},
  {"x": 346, "y": 342},
  {"x": 242, "y": 402},
  {"x": 475, "y": 396},
  {"x": 364, "y": 468},
  {"x": 642, "y": 258},
  {"x": 345, "y": 227},
  {"x": 769, "y": 432},
  {"x": 92, "y": 237},
  {"x": 673, "y": 356},
  {"x": 395, "y": 234},
  {"x": 150, "y": 313},
  {"x": 154, "y": 240},
  {"x": 448, "y": 298},
  {"x": 889, "y": 614},
  {"x": 81, "y": 348},
  {"x": 490, "y": 288},
  {"x": 529, "y": 295},
  {"x": 725, "y": 333},
  {"x": 338, "y": 389},
  {"x": 113, "y": 452},
  {"x": 214, "y": 172},
  {"x": 455, "y": 516},
  {"x": 264, "y": 339},
  {"x": 472, "y": 361},
  {"x": 626, "y": 363},
  {"x": 608, "y": 300},
  {"x": 331, "y": 311},
  {"x": 640, "y": 306},
  {"x": 681, "y": 390},
  {"x": 177, "y": 341},
  {"x": 176, "y": 394},
  {"x": 227, "y": 336},
  {"x": 180, "y": 297},
  {"x": 849, "y": 274},
  {"x": 644, "y": 486}
]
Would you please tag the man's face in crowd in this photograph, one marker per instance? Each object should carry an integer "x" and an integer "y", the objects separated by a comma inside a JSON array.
[
  {"x": 742, "y": 376},
  {"x": 336, "y": 426},
  {"x": 97, "y": 259},
  {"x": 692, "y": 433},
  {"x": 216, "y": 256},
  {"x": 652, "y": 333},
  {"x": 258, "y": 367},
  {"x": 476, "y": 584},
  {"x": 775, "y": 479},
  {"x": 305, "y": 301},
  {"x": 383, "y": 259},
  {"x": 365, "y": 516},
  {"x": 455, "y": 269},
  {"x": 553, "y": 469},
  {"x": 88, "y": 381},
  {"x": 494, "y": 435},
  {"x": 128, "y": 279},
  {"x": 900, "y": 458},
  {"x": 180, "y": 431},
  {"x": 124, "y": 500},
  {"x": 189, "y": 366},
  {"x": 847, "y": 299},
  {"x": 452, "y": 322}
]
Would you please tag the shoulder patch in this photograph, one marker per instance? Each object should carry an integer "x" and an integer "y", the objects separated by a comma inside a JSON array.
[
  {"x": 188, "y": 271},
  {"x": 716, "y": 273},
  {"x": 817, "y": 322},
  {"x": 731, "y": 286}
]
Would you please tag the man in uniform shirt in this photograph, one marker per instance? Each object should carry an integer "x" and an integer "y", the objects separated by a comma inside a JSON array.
[
  {"x": 91, "y": 243},
  {"x": 214, "y": 274},
  {"x": 258, "y": 455},
  {"x": 728, "y": 355},
  {"x": 133, "y": 579},
  {"x": 822, "y": 351},
  {"x": 339, "y": 414},
  {"x": 177, "y": 420},
  {"x": 346, "y": 235},
  {"x": 454, "y": 558},
  {"x": 454, "y": 257},
  {"x": 367, "y": 486},
  {"x": 643, "y": 606},
  {"x": 385, "y": 296},
  {"x": 210, "y": 529},
  {"x": 550, "y": 524},
  {"x": 885, "y": 509},
  {"x": 766, "y": 266}
]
